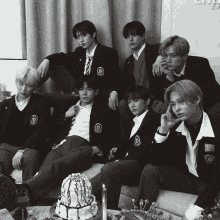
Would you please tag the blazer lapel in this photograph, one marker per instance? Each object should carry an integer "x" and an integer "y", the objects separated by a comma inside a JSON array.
[
  {"x": 82, "y": 60},
  {"x": 8, "y": 109},
  {"x": 96, "y": 59},
  {"x": 145, "y": 120}
]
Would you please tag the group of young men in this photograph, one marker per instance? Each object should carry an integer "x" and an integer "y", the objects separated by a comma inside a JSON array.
[{"x": 114, "y": 120}]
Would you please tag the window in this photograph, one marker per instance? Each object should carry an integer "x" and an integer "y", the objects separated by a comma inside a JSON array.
[{"x": 10, "y": 23}]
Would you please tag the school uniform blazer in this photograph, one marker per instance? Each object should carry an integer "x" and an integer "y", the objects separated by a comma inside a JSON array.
[
  {"x": 104, "y": 128},
  {"x": 36, "y": 121},
  {"x": 139, "y": 144},
  {"x": 105, "y": 66},
  {"x": 199, "y": 71},
  {"x": 173, "y": 152},
  {"x": 151, "y": 52}
]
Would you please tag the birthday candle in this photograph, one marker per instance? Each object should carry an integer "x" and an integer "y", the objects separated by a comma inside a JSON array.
[{"x": 104, "y": 202}]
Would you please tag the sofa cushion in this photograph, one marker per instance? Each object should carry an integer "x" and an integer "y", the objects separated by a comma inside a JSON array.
[{"x": 173, "y": 202}]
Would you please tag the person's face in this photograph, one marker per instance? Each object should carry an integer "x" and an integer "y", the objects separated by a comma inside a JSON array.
[
  {"x": 87, "y": 95},
  {"x": 181, "y": 108},
  {"x": 137, "y": 106},
  {"x": 174, "y": 61},
  {"x": 25, "y": 87},
  {"x": 85, "y": 40},
  {"x": 135, "y": 42}
]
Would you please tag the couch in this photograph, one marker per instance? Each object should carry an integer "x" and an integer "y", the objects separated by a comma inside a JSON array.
[{"x": 171, "y": 203}]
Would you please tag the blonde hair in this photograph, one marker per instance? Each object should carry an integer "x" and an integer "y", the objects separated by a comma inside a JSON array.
[
  {"x": 187, "y": 90},
  {"x": 30, "y": 73}
]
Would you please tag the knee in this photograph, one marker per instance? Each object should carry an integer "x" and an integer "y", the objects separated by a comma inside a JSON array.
[
  {"x": 122, "y": 105},
  {"x": 149, "y": 170},
  {"x": 31, "y": 156},
  {"x": 109, "y": 170}
]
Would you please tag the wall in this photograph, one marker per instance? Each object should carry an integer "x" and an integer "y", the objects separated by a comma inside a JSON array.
[
  {"x": 199, "y": 22},
  {"x": 8, "y": 70}
]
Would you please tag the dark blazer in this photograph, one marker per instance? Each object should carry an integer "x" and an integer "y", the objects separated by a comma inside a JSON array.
[
  {"x": 139, "y": 144},
  {"x": 173, "y": 152},
  {"x": 199, "y": 71},
  {"x": 35, "y": 133},
  {"x": 104, "y": 128},
  {"x": 105, "y": 59},
  {"x": 151, "y": 52}
]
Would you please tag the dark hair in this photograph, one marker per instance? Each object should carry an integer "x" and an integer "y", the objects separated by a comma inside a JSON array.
[
  {"x": 133, "y": 28},
  {"x": 91, "y": 82},
  {"x": 137, "y": 92},
  {"x": 84, "y": 27},
  {"x": 180, "y": 44}
]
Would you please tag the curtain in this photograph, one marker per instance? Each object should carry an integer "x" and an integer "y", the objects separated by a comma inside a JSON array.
[{"x": 47, "y": 24}]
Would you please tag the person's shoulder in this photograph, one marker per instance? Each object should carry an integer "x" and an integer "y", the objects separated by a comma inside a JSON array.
[
  {"x": 197, "y": 59},
  {"x": 7, "y": 101}
]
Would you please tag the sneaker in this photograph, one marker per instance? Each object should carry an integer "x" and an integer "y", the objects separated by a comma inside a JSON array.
[{"x": 8, "y": 195}]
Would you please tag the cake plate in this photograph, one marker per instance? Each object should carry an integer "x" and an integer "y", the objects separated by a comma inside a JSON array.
[{"x": 56, "y": 217}]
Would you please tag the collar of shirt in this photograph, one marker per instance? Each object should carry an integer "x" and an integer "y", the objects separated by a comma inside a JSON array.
[
  {"x": 138, "y": 119},
  {"x": 88, "y": 107},
  {"x": 22, "y": 104},
  {"x": 205, "y": 129},
  {"x": 91, "y": 54},
  {"x": 137, "y": 123},
  {"x": 182, "y": 72},
  {"x": 137, "y": 54}
]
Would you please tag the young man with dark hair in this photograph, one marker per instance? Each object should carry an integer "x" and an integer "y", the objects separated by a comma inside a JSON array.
[
  {"x": 90, "y": 58},
  {"x": 137, "y": 67},
  {"x": 88, "y": 133},
  {"x": 132, "y": 154},
  {"x": 185, "y": 154},
  {"x": 176, "y": 64}
]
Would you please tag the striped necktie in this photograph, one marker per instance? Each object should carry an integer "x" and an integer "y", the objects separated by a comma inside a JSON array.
[{"x": 88, "y": 65}]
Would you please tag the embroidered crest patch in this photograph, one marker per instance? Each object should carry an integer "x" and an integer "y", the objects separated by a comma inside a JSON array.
[
  {"x": 137, "y": 141},
  {"x": 100, "y": 71},
  {"x": 98, "y": 128},
  {"x": 209, "y": 159},
  {"x": 33, "y": 120}
]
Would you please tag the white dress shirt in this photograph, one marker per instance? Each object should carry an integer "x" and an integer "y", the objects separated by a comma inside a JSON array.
[
  {"x": 82, "y": 122},
  {"x": 22, "y": 104},
  {"x": 137, "y": 123},
  {"x": 91, "y": 54},
  {"x": 191, "y": 153},
  {"x": 182, "y": 71},
  {"x": 136, "y": 55}
]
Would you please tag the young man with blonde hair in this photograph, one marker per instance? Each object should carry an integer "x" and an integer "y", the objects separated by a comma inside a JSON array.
[
  {"x": 175, "y": 64},
  {"x": 185, "y": 154},
  {"x": 24, "y": 119}
]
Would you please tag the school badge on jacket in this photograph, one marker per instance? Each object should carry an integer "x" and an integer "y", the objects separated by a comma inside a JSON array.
[
  {"x": 98, "y": 128},
  {"x": 34, "y": 120},
  {"x": 137, "y": 141},
  {"x": 100, "y": 71},
  {"x": 209, "y": 153}
]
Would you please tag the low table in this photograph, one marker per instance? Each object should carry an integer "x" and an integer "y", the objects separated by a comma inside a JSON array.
[{"x": 41, "y": 212}]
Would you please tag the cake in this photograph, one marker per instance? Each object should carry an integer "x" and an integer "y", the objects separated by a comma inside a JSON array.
[{"x": 76, "y": 200}]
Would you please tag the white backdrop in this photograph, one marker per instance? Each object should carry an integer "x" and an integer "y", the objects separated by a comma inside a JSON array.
[{"x": 198, "y": 23}]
